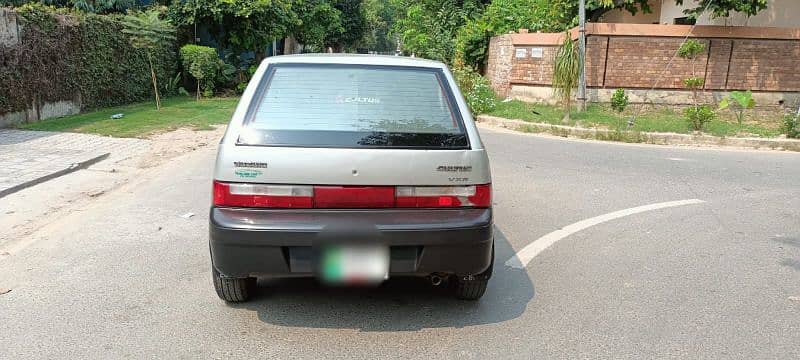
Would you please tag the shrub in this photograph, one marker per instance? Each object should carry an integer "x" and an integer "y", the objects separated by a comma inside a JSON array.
[
  {"x": 204, "y": 65},
  {"x": 67, "y": 55},
  {"x": 699, "y": 116},
  {"x": 242, "y": 85},
  {"x": 479, "y": 95},
  {"x": 738, "y": 102},
  {"x": 619, "y": 101},
  {"x": 693, "y": 83},
  {"x": 472, "y": 44},
  {"x": 791, "y": 126},
  {"x": 172, "y": 86},
  {"x": 691, "y": 48}
]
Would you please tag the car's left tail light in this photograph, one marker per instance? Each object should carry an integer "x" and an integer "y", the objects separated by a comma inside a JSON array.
[{"x": 263, "y": 196}]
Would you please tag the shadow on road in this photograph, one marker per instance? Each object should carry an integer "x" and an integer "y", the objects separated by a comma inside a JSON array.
[{"x": 400, "y": 304}]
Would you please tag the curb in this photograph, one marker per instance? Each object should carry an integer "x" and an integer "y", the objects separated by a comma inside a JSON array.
[
  {"x": 642, "y": 137},
  {"x": 73, "y": 167}
]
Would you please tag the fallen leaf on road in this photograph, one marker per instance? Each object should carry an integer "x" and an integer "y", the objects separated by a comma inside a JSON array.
[
  {"x": 4, "y": 253},
  {"x": 4, "y": 291},
  {"x": 187, "y": 215},
  {"x": 794, "y": 298}
]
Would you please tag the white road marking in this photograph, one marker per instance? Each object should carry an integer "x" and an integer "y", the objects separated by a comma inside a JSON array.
[{"x": 524, "y": 256}]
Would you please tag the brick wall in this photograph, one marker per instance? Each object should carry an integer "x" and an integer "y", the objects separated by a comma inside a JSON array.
[
  {"x": 639, "y": 62},
  {"x": 533, "y": 70},
  {"x": 768, "y": 65},
  {"x": 637, "y": 57},
  {"x": 596, "y": 56}
]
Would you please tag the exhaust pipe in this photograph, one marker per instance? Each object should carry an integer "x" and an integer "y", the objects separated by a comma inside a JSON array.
[{"x": 436, "y": 280}]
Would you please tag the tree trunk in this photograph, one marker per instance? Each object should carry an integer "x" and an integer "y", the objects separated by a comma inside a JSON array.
[
  {"x": 197, "y": 94},
  {"x": 568, "y": 104},
  {"x": 155, "y": 82}
]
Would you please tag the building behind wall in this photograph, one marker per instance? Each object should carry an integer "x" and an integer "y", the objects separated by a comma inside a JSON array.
[{"x": 779, "y": 13}]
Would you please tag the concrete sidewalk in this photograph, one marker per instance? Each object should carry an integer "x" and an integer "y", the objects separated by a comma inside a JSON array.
[{"x": 31, "y": 157}]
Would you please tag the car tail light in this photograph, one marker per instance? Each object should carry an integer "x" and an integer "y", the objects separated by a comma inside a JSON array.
[
  {"x": 263, "y": 196},
  {"x": 348, "y": 197},
  {"x": 443, "y": 196}
]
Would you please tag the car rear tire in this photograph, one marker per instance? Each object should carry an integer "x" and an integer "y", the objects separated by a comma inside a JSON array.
[
  {"x": 232, "y": 289},
  {"x": 473, "y": 287}
]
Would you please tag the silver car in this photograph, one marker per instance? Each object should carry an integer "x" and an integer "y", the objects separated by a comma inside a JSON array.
[{"x": 351, "y": 169}]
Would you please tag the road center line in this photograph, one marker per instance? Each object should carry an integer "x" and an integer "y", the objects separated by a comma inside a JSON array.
[{"x": 524, "y": 256}]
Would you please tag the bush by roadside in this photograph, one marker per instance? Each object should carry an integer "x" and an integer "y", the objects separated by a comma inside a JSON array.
[
  {"x": 479, "y": 95},
  {"x": 791, "y": 126},
  {"x": 69, "y": 55},
  {"x": 661, "y": 120}
]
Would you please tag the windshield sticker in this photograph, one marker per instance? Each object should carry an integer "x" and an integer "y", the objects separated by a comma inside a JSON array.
[
  {"x": 357, "y": 100},
  {"x": 247, "y": 173}
]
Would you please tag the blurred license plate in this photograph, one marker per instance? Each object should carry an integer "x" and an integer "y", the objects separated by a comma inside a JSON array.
[{"x": 355, "y": 264}]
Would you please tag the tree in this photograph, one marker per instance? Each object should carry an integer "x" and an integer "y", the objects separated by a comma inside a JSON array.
[
  {"x": 203, "y": 63},
  {"x": 318, "y": 19},
  {"x": 380, "y": 16},
  {"x": 566, "y": 72},
  {"x": 239, "y": 25},
  {"x": 697, "y": 115},
  {"x": 147, "y": 31},
  {"x": 354, "y": 26},
  {"x": 723, "y": 8},
  {"x": 502, "y": 16},
  {"x": 596, "y": 8},
  {"x": 427, "y": 28}
]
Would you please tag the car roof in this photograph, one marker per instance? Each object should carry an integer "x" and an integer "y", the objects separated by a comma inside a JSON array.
[{"x": 354, "y": 59}]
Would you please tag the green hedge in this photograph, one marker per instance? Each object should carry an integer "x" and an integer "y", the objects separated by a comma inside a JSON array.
[{"x": 65, "y": 55}]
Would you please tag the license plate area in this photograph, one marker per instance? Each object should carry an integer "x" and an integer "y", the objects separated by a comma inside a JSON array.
[{"x": 350, "y": 264}]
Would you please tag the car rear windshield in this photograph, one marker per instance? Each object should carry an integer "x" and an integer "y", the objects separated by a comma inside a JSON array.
[{"x": 325, "y": 105}]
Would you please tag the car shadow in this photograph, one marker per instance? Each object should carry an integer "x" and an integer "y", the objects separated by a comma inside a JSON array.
[{"x": 399, "y": 304}]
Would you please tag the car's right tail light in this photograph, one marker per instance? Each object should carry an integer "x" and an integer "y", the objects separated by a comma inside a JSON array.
[{"x": 443, "y": 196}]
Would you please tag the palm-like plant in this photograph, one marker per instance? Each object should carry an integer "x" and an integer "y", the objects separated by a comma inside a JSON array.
[
  {"x": 739, "y": 102},
  {"x": 147, "y": 31},
  {"x": 566, "y": 72}
]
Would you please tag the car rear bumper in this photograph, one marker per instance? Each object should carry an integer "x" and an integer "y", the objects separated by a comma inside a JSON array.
[{"x": 256, "y": 242}]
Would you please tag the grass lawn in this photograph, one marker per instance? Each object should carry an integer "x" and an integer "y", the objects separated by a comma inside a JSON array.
[
  {"x": 665, "y": 120},
  {"x": 142, "y": 119}
]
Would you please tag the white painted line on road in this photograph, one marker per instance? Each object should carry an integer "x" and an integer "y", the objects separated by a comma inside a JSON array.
[{"x": 524, "y": 256}]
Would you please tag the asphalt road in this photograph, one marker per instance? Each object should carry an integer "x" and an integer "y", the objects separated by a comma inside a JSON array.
[{"x": 126, "y": 276}]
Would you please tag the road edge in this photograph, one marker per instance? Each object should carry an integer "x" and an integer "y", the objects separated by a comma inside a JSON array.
[
  {"x": 642, "y": 137},
  {"x": 71, "y": 168}
]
